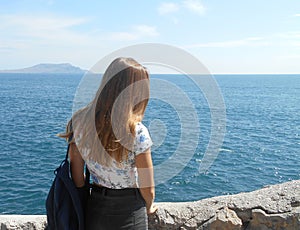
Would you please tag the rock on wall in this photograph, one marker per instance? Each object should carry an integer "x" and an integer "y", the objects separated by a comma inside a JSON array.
[
  {"x": 273, "y": 207},
  {"x": 28, "y": 222}
]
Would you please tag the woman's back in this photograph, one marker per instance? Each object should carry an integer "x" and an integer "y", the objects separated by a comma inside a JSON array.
[
  {"x": 109, "y": 137},
  {"x": 119, "y": 175}
]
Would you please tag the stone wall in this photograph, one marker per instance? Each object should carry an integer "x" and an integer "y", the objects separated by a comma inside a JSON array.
[
  {"x": 28, "y": 222},
  {"x": 273, "y": 207}
]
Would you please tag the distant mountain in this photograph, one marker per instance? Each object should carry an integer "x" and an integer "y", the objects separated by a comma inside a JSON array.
[{"x": 48, "y": 68}]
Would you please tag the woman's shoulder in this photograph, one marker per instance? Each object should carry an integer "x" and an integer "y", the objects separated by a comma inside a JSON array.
[
  {"x": 139, "y": 127},
  {"x": 142, "y": 138},
  {"x": 141, "y": 130}
]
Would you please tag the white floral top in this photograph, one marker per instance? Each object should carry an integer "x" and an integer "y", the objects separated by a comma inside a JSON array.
[{"x": 124, "y": 176}]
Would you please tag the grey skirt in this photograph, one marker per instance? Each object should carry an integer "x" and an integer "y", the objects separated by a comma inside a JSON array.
[{"x": 116, "y": 209}]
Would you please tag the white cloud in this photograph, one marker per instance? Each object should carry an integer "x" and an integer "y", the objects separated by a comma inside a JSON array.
[
  {"x": 23, "y": 30},
  {"x": 168, "y": 7},
  {"x": 225, "y": 44},
  {"x": 295, "y": 43},
  {"x": 290, "y": 35},
  {"x": 123, "y": 36},
  {"x": 291, "y": 56},
  {"x": 44, "y": 28},
  {"x": 29, "y": 22},
  {"x": 194, "y": 6},
  {"x": 296, "y": 15},
  {"x": 288, "y": 40},
  {"x": 251, "y": 41},
  {"x": 146, "y": 30},
  {"x": 137, "y": 32}
]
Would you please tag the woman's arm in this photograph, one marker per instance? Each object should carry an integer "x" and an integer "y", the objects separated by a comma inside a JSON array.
[
  {"x": 77, "y": 165},
  {"x": 146, "y": 179}
]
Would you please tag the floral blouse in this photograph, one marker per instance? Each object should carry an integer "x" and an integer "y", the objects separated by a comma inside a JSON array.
[{"x": 124, "y": 176}]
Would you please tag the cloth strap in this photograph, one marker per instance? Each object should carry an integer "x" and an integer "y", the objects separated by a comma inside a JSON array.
[{"x": 87, "y": 171}]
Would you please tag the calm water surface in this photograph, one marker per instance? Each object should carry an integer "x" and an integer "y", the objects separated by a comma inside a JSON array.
[{"x": 261, "y": 144}]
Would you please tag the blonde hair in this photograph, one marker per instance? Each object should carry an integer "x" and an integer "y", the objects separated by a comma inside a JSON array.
[{"x": 118, "y": 106}]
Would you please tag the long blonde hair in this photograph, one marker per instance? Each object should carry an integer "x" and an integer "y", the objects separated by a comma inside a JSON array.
[{"x": 111, "y": 117}]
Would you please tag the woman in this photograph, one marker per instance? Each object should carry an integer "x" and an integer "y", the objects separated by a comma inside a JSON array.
[{"x": 108, "y": 136}]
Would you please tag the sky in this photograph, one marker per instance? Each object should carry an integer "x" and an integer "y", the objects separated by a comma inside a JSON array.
[{"x": 232, "y": 36}]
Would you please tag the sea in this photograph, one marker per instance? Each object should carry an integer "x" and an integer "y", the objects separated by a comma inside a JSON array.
[{"x": 260, "y": 147}]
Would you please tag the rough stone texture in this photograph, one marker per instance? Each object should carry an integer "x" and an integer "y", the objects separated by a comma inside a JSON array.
[
  {"x": 28, "y": 222},
  {"x": 274, "y": 207},
  {"x": 224, "y": 219}
]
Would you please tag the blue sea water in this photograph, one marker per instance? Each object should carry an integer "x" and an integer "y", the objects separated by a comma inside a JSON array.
[{"x": 261, "y": 144}]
